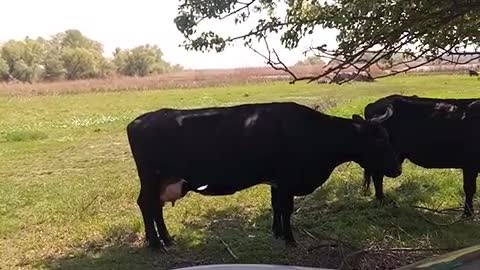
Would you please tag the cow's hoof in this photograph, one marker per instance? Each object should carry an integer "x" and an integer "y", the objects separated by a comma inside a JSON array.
[
  {"x": 154, "y": 244},
  {"x": 382, "y": 201},
  {"x": 386, "y": 202},
  {"x": 277, "y": 234},
  {"x": 163, "y": 246},
  {"x": 467, "y": 214},
  {"x": 157, "y": 246},
  {"x": 169, "y": 241}
]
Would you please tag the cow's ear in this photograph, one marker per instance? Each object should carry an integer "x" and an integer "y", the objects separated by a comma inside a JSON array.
[
  {"x": 359, "y": 127},
  {"x": 357, "y": 118},
  {"x": 358, "y": 122}
]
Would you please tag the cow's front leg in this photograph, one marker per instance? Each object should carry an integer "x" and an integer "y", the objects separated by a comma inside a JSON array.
[
  {"x": 378, "y": 183},
  {"x": 146, "y": 201},
  {"x": 161, "y": 227}
]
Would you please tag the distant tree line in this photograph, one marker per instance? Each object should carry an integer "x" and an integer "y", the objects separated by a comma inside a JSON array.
[
  {"x": 395, "y": 59},
  {"x": 70, "y": 55}
]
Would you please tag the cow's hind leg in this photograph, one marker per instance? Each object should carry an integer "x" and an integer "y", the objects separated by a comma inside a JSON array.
[
  {"x": 146, "y": 202},
  {"x": 469, "y": 187},
  {"x": 277, "y": 217},
  {"x": 286, "y": 199},
  {"x": 282, "y": 204}
]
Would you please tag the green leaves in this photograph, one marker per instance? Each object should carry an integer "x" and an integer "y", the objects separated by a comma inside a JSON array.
[
  {"x": 206, "y": 42},
  {"x": 426, "y": 29}
]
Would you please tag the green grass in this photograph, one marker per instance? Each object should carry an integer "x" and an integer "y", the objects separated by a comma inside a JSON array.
[
  {"x": 24, "y": 135},
  {"x": 68, "y": 187}
]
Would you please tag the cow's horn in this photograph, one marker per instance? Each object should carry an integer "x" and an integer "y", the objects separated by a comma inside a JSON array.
[{"x": 388, "y": 113}]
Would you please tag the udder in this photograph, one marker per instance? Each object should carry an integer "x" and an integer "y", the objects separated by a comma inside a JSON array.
[{"x": 172, "y": 192}]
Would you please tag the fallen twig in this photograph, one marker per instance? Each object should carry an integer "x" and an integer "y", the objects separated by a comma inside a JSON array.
[
  {"x": 455, "y": 209},
  {"x": 89, "y": 204},
  {"x": 440, "y": 205},
  {"x": 298, "y": 210},
  {"x": 444, "y": 224},
  {"x": 228, "y": 249},
  {"x": 407, "y": 249},
  {"x": 309, "y": 234},
  {"x": 395, "y": 203},
  {"x": 323, "y": 243},
  {"x": 401, "y": 229}
]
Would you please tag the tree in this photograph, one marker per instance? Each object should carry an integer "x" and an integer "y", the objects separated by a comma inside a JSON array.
[
  {"x": 71, "y": 55},
  {"x": 34, "y": 57},
  {"x": 73, "y": 38},
  {"x": 82, "y": 57},
  {"x": 53, "y": 64},
  {"x": 12, "y": 51},
  {"x": 422, "y": 31},
  {"x": 24, "y": 59},
  {"x": 34, "y": 51},
  {"x": 140, "y": 61},
  {"x": 106, "y": 68},
  {"x": 22, "y": 71},
  {"x": 4, "y": 70},
  {"x": 80, "y": 63}
]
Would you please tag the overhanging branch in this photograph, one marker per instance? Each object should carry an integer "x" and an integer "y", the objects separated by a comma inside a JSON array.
[{"x": 339, "y": 65}]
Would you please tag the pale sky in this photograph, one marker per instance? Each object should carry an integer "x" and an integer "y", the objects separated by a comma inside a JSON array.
[{"x": 128, "y": 23}]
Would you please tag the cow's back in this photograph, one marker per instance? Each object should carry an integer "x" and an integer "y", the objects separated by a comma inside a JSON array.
[
  {"x": 237, "y": 141},
  {"x": 433, "y": 133}
]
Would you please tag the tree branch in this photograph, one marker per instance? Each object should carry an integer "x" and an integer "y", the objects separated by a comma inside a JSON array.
[
  {"x": 437, "y": 32},
  {"x": 245, "y": 6}
]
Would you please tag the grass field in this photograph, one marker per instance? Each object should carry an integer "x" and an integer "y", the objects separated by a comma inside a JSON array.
[{"x": 68, "y": 189}]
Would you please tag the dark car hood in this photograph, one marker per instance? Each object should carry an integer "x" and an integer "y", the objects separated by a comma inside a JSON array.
[{"x": 463, "y": 259}]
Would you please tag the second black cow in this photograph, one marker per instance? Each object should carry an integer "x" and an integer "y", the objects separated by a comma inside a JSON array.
[
  {"x": 222, "y": 150},
  {"x": 432, "y": 133}
]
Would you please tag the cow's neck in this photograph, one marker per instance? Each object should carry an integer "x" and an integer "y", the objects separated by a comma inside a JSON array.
[{"x": 346, "y": 143}]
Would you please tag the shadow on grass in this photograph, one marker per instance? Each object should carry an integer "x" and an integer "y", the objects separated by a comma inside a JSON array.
[
  {"x": 203, "y": 241},
  {"x": 343, "y": 230}
]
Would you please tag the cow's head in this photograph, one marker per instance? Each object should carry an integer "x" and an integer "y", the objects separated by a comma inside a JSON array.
[{"x": 375, "y": 151}]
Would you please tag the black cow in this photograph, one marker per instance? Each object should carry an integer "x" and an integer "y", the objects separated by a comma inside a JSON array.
[
  {"x": 219, "y": 151},
  {"x": 432, "y": 133}
]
